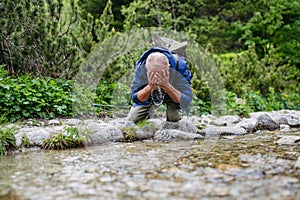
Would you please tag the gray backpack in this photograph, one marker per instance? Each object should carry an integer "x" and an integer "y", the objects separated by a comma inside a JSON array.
[{"x": 175, "y": 47}]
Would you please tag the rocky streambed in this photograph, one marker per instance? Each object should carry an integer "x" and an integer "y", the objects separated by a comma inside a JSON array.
[{"x": 198, "y": 158}]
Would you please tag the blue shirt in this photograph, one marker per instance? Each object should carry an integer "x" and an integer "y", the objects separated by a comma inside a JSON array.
[{"x": 180, "y": 78}]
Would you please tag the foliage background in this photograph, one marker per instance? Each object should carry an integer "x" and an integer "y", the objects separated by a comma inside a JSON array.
[{"x": 254, "y": 44}]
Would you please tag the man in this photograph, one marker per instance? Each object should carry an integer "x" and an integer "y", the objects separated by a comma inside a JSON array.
[{"x": 160, "y": 78}]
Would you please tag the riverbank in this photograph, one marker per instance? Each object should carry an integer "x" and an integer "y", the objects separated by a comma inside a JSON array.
[
  {"x": 32, "y": 133},
  {"x": 198, "y": 158}
]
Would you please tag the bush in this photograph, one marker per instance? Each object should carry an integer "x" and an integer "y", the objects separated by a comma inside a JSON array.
[
  {"x": 255, "y": 101},
  {"x": 25, "y": 97},
  {"x": 273, "y": 100},
  {"x": 245, "y": 71}
]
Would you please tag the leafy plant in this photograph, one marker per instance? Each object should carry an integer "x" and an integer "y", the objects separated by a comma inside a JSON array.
[
  {"x": 237, "y": 106},
  {"x": 25, "y": 97},
  {"x": 70, "y": 139},
  {"x": 7, "y": 140}
]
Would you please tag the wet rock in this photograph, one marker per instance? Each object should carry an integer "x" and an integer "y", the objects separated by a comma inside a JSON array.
[
  {"x": 73, "y": 122},
  {"x": 291, "y": 116},
  {"x": 293, "y": 113},
  {"x": 277, "y": 117},
  {"x": 88, "y": 121},
  {"x": 183, "y": 125},
  {"x": 148, "y": 130},
  {"x": 297, "y": 165},
  {"x": 284, "y": 128},
  {"x": 292, "y": 120},
  {"x": 207, "y": 119},
  {"x": 101, "y": 133},
  {"x": 264, "y": 121},
  {"x": 194, "y": 120},
  {"x": 249, "y": 124},
  {"x": 158, "y": 123},
  {"x": 120, "y": 122},
  {"x": 217, "y": 130},
  {"x": 33, "y": 122},
  {"x": 140, "y": 133},
  {"x": 136, "y": 132},
  {"x": 54, "y": 129},
  {"x": 228, "y": 120},
  {"x": 294, "y": 123},
  {"x": 35, "y": 135},
  {"x": 175, "y": 135},
  {"x": 288, "y": 140},
  {"x": 15, "y": 126},
  {"x": 54, "y": 122}
]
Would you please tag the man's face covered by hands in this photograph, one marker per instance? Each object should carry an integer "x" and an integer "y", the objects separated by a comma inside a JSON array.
[{"x": 157, "y": 70}]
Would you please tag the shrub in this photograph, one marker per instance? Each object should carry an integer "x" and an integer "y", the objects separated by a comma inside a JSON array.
[
  {"x": 246, "y": 71},
  {"x": 25, "y": 97}
]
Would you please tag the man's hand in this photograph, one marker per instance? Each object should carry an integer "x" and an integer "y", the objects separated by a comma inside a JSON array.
[
  {"x": 152, "y": 80},
  {"x": 162, "y": 79}
]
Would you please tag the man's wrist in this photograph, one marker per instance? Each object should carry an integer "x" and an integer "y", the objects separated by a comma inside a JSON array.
[
  {"x": 151, "y": 87},
  {"x": 166, "y": 87}
]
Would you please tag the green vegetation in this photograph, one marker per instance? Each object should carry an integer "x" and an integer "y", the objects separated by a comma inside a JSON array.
[
  {"x": 130, "y": 134},
  {"x": 7, "y": 140},
  {"x": 71, "y": 139},
  {"x": 254, "y": 44},
  {"x": 26, "y": 96}
]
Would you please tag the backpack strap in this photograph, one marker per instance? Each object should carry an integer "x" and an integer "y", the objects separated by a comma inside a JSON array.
[{"x": 177, "y": 59}]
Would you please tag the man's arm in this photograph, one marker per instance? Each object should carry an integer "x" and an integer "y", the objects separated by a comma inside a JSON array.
[
  {"x": 164, "y": 83},
  {"x": 173, "y": 93},
  {"x": 144, "y": 93}
]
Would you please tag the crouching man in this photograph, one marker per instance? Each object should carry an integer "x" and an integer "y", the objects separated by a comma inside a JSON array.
[{"x": 160, "y": 77}]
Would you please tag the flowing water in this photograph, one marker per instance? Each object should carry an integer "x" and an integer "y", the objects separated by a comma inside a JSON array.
[{"x": 243, "y": 167}]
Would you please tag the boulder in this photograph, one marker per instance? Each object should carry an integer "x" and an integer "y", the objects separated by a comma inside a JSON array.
[
  {"x": 249, "y": 124},
  {"x": 277, "y": 117},
  {"x": 218, "y": 131},
  {"x": 54, "y": 129},
  {"x": 292, "y": 120},
  {"x": 288, "y": 140},
  {"x": 297, "y": 165},
  {"x": 285, "y": 128},
  {"x": 73, "y": 122},
  {"x": 264, "y": 121},
  {"x": 207, "y": 119},
  {"x": 183, "y": 125},
  {"x": 101, "y": 133},
  {"x": 35, "y": 135},
  {"x": 227, "y": 120},
  {"x": 168, "y": 135},
  {"x": 54, "y": 122}
]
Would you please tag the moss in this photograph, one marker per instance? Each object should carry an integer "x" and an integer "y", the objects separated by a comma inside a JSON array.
[
  {"x": 25, "y": 141},
  {"x": 130, "y": 134}
]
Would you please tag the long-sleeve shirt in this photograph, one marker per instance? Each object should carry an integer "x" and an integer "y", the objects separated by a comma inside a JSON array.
[{"x": 180, "y": 78}]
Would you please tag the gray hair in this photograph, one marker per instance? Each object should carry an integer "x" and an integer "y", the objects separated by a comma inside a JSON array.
[{"x": 157, "y": 59}]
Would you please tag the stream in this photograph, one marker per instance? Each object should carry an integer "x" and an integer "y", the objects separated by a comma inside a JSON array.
[{"x": 251, "y": 166}]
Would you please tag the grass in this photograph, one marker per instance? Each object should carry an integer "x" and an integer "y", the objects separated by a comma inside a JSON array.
[
  {"x": 71, "y": 139},
  {"x": 7, "y": 140}
]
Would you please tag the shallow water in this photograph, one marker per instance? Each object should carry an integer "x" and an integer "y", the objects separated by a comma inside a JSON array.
[{"x": 241, "y": 167}]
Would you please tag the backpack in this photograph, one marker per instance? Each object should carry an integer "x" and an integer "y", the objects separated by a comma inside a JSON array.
[{"x": 177, "y": 48}]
